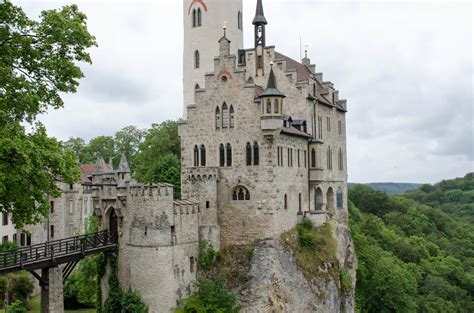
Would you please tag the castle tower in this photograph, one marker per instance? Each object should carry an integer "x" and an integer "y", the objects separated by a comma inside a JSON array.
[{"x": 203, "y": 21}]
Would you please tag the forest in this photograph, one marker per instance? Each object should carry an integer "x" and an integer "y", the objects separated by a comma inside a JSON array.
[{"x": 415, "y": 251}]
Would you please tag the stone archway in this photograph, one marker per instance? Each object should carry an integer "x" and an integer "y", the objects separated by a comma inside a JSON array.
[
  {"x": 113, "y": 224},
  {"x": 330, "y": 201}
]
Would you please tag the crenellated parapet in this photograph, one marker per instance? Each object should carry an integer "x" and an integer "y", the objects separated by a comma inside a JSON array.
[{"x": 197, "y": 174}]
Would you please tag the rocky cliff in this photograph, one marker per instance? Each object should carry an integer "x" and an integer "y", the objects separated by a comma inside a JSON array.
[{"x": 283, "y": 275}]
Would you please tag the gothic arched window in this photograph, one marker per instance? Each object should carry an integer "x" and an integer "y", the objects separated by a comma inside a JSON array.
[
  {"x": 203, "y": 155},
  {"x": 339, "y": 196},
  {"x": 225, "y": 116},
  {"x": 228, "y": 154},
  {"x": 240, "y": 193},
  {"x": 248, "y": 154},
  {"x": 276, "y": 106},
  {"x": 231, "y": 117},
  {"x": 199, "y": 17},
  {"x": 218, "y": 118},
  {"x": 194, "y": 18},
  {"x": 256, "y": 154},
  {"x": 221, "y": 155},
  {"x": 196, "y": 156},
  {"x": 269, "y": 106}
]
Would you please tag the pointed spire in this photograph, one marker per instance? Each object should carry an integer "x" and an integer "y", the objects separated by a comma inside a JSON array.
[
  {"x": 99, "y": 164},
  {"x": 123, "y": 166},
  {"x": 259, "y": 16},
  {"x": 272, "y": 90}
]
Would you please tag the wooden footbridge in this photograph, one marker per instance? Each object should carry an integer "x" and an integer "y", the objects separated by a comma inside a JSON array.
[{"x": 49, "y": 255}]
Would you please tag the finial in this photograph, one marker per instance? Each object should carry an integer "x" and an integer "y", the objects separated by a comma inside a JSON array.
[
  {"x": 306, "y": 47},
  {"x": 225, "y": 27},
  {"x": 271, "y": 63}
]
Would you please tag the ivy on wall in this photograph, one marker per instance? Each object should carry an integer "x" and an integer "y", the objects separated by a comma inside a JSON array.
[{"x": 117, "y": 300}]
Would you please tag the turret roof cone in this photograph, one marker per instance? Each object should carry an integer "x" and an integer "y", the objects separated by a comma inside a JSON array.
[
  {"x": 272, "y": 90},
  {"x": 259, "y": 16},
  {"x": 123, "y": 166},
  {"x": 99, "y": 164}
]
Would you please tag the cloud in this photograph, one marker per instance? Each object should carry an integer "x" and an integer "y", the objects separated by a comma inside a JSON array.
[{"x": 405, "y": 69}]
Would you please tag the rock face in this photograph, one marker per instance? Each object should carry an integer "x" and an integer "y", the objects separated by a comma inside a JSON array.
[{"x": 277, "y": 285}]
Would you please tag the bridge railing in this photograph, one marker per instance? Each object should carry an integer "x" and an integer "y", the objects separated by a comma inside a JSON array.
[{"x": 51, "y": 250}]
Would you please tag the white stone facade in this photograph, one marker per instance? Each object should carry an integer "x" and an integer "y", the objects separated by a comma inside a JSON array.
[{"x": 203, "y": 21}]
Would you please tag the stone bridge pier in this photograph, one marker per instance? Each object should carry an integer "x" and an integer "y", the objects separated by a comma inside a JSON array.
[{"x": 52, "y": 290}]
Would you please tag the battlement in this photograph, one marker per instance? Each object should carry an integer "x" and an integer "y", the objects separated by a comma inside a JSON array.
[{"x": 186, "y": 207}]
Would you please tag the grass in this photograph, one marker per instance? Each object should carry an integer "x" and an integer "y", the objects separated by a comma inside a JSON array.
[
  {"x": 233, "y": 263},
  {"x": 34, "y": 306}
]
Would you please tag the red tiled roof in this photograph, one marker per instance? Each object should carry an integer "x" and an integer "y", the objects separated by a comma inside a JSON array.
[
  {"x": 86, "y": 173},
  {"x": 295, "y": 132},
  {"x": 302, "y": 72}
]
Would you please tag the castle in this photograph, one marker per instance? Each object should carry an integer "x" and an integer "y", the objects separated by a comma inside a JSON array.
[{"x": 263, "y": 144}]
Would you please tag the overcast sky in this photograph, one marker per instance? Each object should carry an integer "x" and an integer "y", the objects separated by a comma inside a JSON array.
[{"x": 405, "y": 68}]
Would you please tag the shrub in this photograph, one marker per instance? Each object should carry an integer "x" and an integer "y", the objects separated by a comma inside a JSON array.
[
  {"x": 17, "y": 307},
  {"x": 207, "y": 256},
  {"x": 210, "y": 297},
  {"x": 131, "y": 303},
  {"x": 308, "y": 237},
  {"x": 20, "y": 288}
]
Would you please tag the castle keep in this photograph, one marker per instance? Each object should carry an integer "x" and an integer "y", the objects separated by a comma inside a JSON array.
[{"x": 263, "y": 144}]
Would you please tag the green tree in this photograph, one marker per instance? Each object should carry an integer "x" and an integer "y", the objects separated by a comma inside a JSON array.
[
  {"x": 38, "y": 62},
  {"x": 128, "y": 140},
  {"x": 102, "y": 145},
  {"x": 160, "y": 155}
]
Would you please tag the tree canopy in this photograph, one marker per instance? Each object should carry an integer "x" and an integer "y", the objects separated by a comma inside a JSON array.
[
  {"x": 39, "y": 60},
  {"x": 413, "y": 257}
]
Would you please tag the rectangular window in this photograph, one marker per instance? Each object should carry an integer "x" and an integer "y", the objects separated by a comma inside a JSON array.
[
  {"x": 328, "y": 122},
  {"x": 22, "y": 239},
  {"x": 71, "y": 186},
  {"x": 304, "y": 157},
  {"x": 51, "y": 203},
  {"x": 299, "y": 162},
  {"x": 5, "y": 219},
  {"x": 14, "y": 238},
  {"x": 208, "y": 204},
  {"x": 51, "y": 231},
  {"x": 28, "y": 239}
]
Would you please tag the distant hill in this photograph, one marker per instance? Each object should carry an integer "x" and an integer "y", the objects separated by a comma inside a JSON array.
[{"x": 391, "y": 188}]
